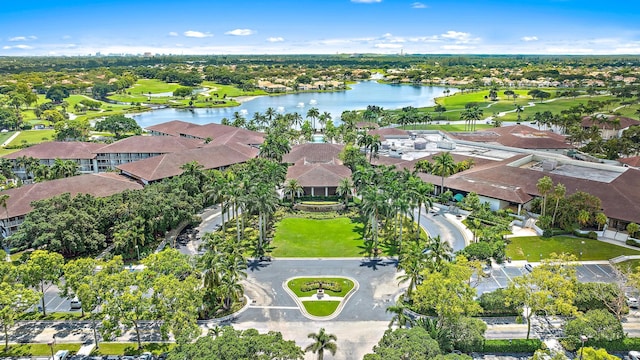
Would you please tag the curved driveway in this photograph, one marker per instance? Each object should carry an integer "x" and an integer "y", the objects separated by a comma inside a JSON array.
[{"x": 437, "y": 224}]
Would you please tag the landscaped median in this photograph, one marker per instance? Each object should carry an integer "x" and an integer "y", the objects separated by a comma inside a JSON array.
[{"x": 320, "y": 297}]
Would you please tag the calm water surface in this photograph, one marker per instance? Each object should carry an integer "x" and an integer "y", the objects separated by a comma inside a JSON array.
[{"x": 359, "y": 97}]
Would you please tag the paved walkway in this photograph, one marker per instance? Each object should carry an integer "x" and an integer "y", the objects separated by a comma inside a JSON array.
[{"x": 10, "y": 139}]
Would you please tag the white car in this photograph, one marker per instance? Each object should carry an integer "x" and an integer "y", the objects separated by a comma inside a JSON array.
[
  {"x": 76, "y": 303},
  {"x": 633, "y": 302}
]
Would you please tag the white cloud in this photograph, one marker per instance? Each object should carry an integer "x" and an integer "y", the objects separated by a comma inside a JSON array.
[
  {"x": 418, "y": 5},
  {"x": 275, "y": 39},
  {"x": 366, "y": 1},
  {"x": 173, "y": 33},
  {"x": 388, "y": 46},
  {"x": 456, "y": 47},
  {"x": 529, "y": 38},
  {"x": 22, "y": 38},
  {"x": 21, "y": 47},
  {"x": 240, "y": 32},
  {"x": 458, "y": 36},
  {"x": 66, "y": 37},
  {"x": 196, "y": 34}
]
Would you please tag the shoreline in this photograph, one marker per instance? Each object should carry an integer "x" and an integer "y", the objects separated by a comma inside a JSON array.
[{"x": 246, "y": 98}]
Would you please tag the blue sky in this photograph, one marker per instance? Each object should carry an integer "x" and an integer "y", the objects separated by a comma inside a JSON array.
[{"x": 72, "y": 27}]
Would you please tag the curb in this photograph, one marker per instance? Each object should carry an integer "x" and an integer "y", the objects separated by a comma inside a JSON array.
[{"x": 338, "y": 310}]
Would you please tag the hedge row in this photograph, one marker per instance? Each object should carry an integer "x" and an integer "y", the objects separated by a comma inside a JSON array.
[
  {"x": 512, "y": 346},
  {"x": 625, "y": 344},
  {"x": 314, "y": 285}
]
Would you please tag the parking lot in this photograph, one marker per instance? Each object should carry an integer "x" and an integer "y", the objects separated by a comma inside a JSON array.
[{"x": 501, "y": 275}]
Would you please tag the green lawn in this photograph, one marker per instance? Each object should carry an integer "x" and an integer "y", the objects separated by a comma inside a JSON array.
[
  {"x": 555, "y": 106},
  {"x": 38, "y": 349},
  {"x": 298, "y": 237},
  {"x": 321, "y": 308},
  {"x": 33, "y": 137},
  {"x": 532, "y": 248},
  {"x": 131, "y": 348},
  {"x": 145, "y": 86},
  {"x": 451, "y": 127},
  {"x": 295, "y": 284}
]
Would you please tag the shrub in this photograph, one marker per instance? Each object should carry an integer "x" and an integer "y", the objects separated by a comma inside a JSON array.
[
  {"x": 326, "y": 285},
  {"x": 547, "y": 233},
  {"x": 512, "y": 346},
  {"x": 493, "y": 304},
  {"x": 632, "y": 242}
]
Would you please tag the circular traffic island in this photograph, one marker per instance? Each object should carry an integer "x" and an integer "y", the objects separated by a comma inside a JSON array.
[{"x": 321, "y": 297}]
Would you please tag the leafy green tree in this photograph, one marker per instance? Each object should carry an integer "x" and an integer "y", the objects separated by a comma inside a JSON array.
[
  {"x": 467, "y": 334},
  {"x": 632, "y": 229},
  {"x": 118, "y": 125},
  {"x": 42, "y": 270},
  {"x": 447, "y": 292},
  {"x": 589, "y": 353},
  {"x": 549, "y": 288},
  {"x": 405, "y": 344},
  {"x": 15, "y": 299},
  {"x": 239, "y": 344},
  {"x": 322, "y": 341},
  {"x": 345, "y": 189},
  {"x": 598, "y": 325},
  {"x": 183, "y": 91},
  {"x": 57, "y": 93}
]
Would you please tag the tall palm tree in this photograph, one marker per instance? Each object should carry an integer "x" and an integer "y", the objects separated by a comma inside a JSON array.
[
  {"x": 264, "y": 201},
  {"x": 559, "y": 192},
  {"x": 413, "y": 261},
  {"x": 313, "y": 113},
  {"x": 292, "y": 187},
  {"x": 270, "y": 114},
  {"x": 399, "y": 315},
  {"x": 345, "y": 188},
  {"x": 519, "y": 110},
  {"x": 439, "y": 251},
  {"x": 322, "y": 341},
  {"x": 421, "y": 192},
  {"x": 544, "y": 185},
  {"x": 374, "y": 146},
  {"x": 324, "y": 118},
  {"x": 374, "y": 205},
  {"x": 443, "y": 165}
]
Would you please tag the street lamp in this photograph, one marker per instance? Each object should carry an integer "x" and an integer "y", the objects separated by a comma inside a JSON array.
[
  {"x": 138, "y": 252},
  {"x": 51, "y": 344},
  {"x": 583, "y": 339},
  {"x": 581, "y": 246}
]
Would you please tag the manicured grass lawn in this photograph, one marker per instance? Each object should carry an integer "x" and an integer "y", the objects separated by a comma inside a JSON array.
[
  {"x": 321, "y": 308},
  {"x": 4, "y": 136},
  {"x": 131, "y": 348},
  {"x": 555, "y": 106},
  {"x": 34, "y": 137},
  {"x": 231, "y": 91},
  {"x": 38, "y": 349},
  {"x": 295, "y": 285},
  {"x": 532, "y": 247},
  {"x": 628, "y": 266},
  {"x": 145, "y": 86},
  {"x": 298, "y": 237},
  {"x": 451, "y": 127}
]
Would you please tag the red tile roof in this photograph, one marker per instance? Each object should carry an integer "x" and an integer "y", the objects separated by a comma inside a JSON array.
[
  {"x": 58, "y": 150},
  {"x": 99, "y": 185},
  {"x": 631, "y": 161},
  {"x": 151, "y": 144},
  {"x": 518, "y": 136},
  {"x": 168, "y": 165},
  {"x": 314, "y": 153},
  {"x": 614, "y": 122},
  {"x": 173, "y": 128},
  {"x": 318, "y": 175}
]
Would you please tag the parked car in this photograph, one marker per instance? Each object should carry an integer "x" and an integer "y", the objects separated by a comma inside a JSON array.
[
  {"x": 146, "y": 356},
  {"x": 61, "y": 355},
  {"x": 528, "y": 267},
  {"x": 76, "y": 303},
  {"x": 633, "y": 303}
]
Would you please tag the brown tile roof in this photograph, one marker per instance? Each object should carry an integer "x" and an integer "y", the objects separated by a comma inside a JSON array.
[
  {"x": 318, "y": 175},
  {"x": 58, "y": 150},
  {"x": 314, "y": 153},
  {"x": 168, "y": 165},
  {"x": 518, "y": 136},
  {"x": 240, "y": 136},
  {"x": 367, "y": 125},
  {"x": 388, "y": 133},
  {"x": 173, "y": 128},
  {"x": 151, "y": 144},
  {"x": 622, "y": 122},
  {"x": 631, "y": 161},
  {"x": 99, "y": 185}
]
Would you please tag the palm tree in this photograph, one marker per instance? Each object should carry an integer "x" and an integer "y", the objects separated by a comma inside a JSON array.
[
  {"x": 324, "y": 118},
  {"x": 3, "y": 202},
  {"x": 444, "y": 165},
  {"x": 471, "y": 115},
  {"x": 421, "y": 193},
  {"x": 399, "y": 315},
  {"x": 293, "y": 188},
  {"x": 345, "y": 188},
  {"x": 374, "y": 204},
  {"x": 601, "y": 219},
  {"x": 519, "y": 110},
  {"x": 544, "y": 185},
  {"x": 558, "y": 192},
  {"x": 270, "y": 113},
  {"x": 322, "y": 341},
  {"x": 264, "y": 201},
  {"x": 413, "y": 261},
  {"x": 313, "y": 113},
  {"x": 374, "y": 146},
  {"x": 583, "y": 217},
  {"x": 439, "y": 251}
]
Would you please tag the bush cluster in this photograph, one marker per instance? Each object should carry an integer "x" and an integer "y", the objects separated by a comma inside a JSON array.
[
  {"x": 512, "y": 346},
  {"x": 632, "y": 242},
  {"x": 326, "y": 285},
  {"x": 590, "y": 235}
]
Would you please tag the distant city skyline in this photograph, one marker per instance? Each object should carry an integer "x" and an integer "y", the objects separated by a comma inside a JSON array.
[{"x": 73, "y": 27}]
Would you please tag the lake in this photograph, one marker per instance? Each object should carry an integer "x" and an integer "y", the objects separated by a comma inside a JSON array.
[{"x": 359, "y": 97}]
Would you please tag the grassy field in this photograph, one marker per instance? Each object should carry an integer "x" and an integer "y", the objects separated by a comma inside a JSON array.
[
  {"x": 33, "y": 137},
  {"x": 532, "y": 248},
  {"x": 146, "y": 86},
  {"x": 451, "y": 127},
  {"x": 555, "y": 106},
  {"x": 121, "y": 348},
  {"x": 38, "y": 349},
  {"x": 298, "y": 237},
  {"x": 321, "y": 308},
  {"x": 295, "y": 285}
]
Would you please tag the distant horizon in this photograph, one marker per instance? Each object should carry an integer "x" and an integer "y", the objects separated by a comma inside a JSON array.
[{"x": 312, "y": 27}]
